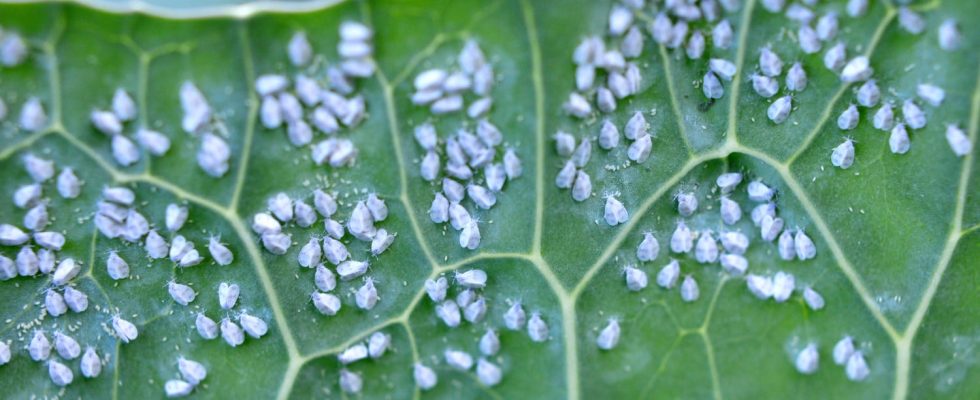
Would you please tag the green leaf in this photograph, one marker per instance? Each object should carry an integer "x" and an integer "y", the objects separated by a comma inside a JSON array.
[{"x": 895, "y": 234}]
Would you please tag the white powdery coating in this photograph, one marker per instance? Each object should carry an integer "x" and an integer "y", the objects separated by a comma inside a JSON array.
[
  {"x": 808, "y": 360},
  {"x": 843, "y": 155},
  {"x": 609, "y": 336}
]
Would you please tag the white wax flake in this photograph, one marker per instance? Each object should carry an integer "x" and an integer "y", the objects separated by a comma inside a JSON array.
[
  {"x": 254, "y": 326},
  {"x": 949, "y": 35},
  {"x": 813, "y": 299},
  {"x": 32, "y": 115},
  {"x": 192, "y": 371},
  {"x": 931, "y": 94},
  {"x": 378, "y": 344},
  {"x": 206, "y": 327},
  {"x": 117, "y": 267},
  {"x": 213, "y": 155},
  {"x": 695, "y": 45},
  {"x": 54, "y": 303},
  {"x": 615, "y": 213},
  {"x": 106, "y": 122},
  {"x": 868, "y": 94},
  {"x": 66, "y": 271},
  {"x": 91, "y": 364},
  {"x": 760, "y": 286},
  {"x": 884, "y": 118},
  {"x": 514, "y": 317},
  {"x": 706, "y": 251},
  {"x": 769, "y": 62},
  {"x": 730, "y": 211},
  {"x": 783, "y": 285},
  {"x": 636, "y": 279},
  {"x": 68, "y": 184},
  {"x": 475, "y": 311},
  {"x": 857, "y": 368},
  {"x": 682, "y": 240},
  {"x": 457, "y": 359},
  {"x": 352, "y": 354},
  {"x": 796, "y": 79},
  {"x": 808, "y": 39},
  {"x": 60, "y": 374},
  {"x": 959, "y": 142},
  {"x": 843, "y": 155},
  {"x": 326, "y": 303},
  {"x": 608, "y": 337},
  {"x": 910, "y": 21},
  {"x": 689, "y": 289},
  {"x": 835, "y": 57},
  {"x": 786, "y": 246},
  {"x": 425, "y": 377},
  {"x": 779, "y": 110},
  {"x": 299, "y": 50},
  {"x": 648, "y": 249},
  {"x": 76, "y": 300},
  {"x": 764, "y": 86},
  {"x": 843, "y": 350},
  {"x": 125, "y": 330},
  {"x": 808, "y": 359},
  {"x": 734, "y": 264},
  {"x": 366, "y": 296},
  {"x": 856, "y": 70},
  {"x": 175, "y": 388},
  {"x": 537, "y": 329}
]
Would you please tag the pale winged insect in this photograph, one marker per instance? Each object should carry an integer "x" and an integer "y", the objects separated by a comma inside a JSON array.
[
  {"x": 366, "y": 296},
  {"x": 808, "y": 359},
  {"x": 489, "y": 343},
  {"x": 848, "y": 119},
  {"x": 636, "y": 279},
  {"x": 796, "y": 78},
  {"x": 813, "y": 299},
  {"x": 124, "y": 329},
  {"x": 448, "y": 312},
  {"x": 687, "y": 203},
  {"x": 175, "y": 388},
  {"x": 60, "y": 374},
  {"x": 537, "y": 329},
  {"x": 91, "y": 364},
  {"x": 488, "y": 373},
  {"x": 779, "y": 110},
  {"x": 608, "y": 337},
  {"x": 706, "y": 251},
  {"x": 898, "y": 140},
  {"x": 582, "y": 188},
  {"x": 682, "y": 240},
  {"x": 734, "y": 264},
  {"x": 425, "y": 377},
  {"x": 515, "y": 317},
  {"x": 232, "y": 333},
  {"x": 192, "y": 371},
  {"x": 615, "y": 213},
  {"x": 228, "y": 295},
  {"x": 868, "y": 94},
  {"x": 843, "y": 155},
  {"x": 649, "y": 248},
  {"x": 206, "y": 327},
  {"x": 689, "y": 289}
]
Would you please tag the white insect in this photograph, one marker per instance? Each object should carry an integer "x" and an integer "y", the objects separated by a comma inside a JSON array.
[
  {"x": 711, "y": 86},
  {"x": 515, "y": 317},
  {"x": 857, "y": 368},
  {"x": 689, "y": 289},
  {"x": 254, "y": 326},
  {"x": 45, "y": 261},
  {"x": 808, "y": 39},
  {"x": 779, "y": 110},
  {"x": 687, "y": 203},
  {"x": 898, "y": 140},
  {"x": 68, "y": 184},
  {"x": 299, "y": 50},
  {"x": 615, "y": 213},
  {"x": 857, "y": 8},
  {"x": 636, "y": 279},
  {"x": 91, "y": 364},
  {"x": 228, "y": 295},
  {"x": 723, "y": 68},
  {"x": 181, "y": 293},
  {"x": 459, "y": 360},
  {"x": 27, "y": 262},
  {"x": 734, "y": 242},
  {"x": 734, "y": 264},
  {"x": 639, "y": 150},
  {"x": 192, "y": 371},
  {"x": 489, "y": 343},
  {"x": 786, "y": 246},
  {"x": 769, "y": 62},
  {"x": 857, "y": 69},
  {"x": 50, "y": 240},
  {"x": 728, "y": 181},
  {"x": 648, "y": 249},
  {"x": 488, "y": 373},
  {"x": 76, "y": 300},
  {"x": 609, "y": 336},
  {"x": 38, "y": 168},
  {"x": 60, "y": 374},
  {"x": 378, "y": 344},
  {"x": 682, "y": 240},
  {"x": 206, "y": 327},
  {"x": 106, "y": 122},
  {"x": 783, "y": 285},
  {"x": 352, "y": 354},
  {"x": 4, "y": 353},
  {"x": 843, "y": 155},
  {"x": 884, "y": 118},
  {"x": 473, "y": 279},
  {"x": 950, "y": 37},
  {"x": 125, "y": 330},
  {"x": 66, "y": 271},
  {"x": 40, "y": 347},
  {"x": 932, "y": 94},
  {"x": 764, "y": 86},
  {"x": 32, "y": 115},
  {"x": 796, "y": 79},
  {"x": 54, "y": 303},
  {"x": 722, "y": 34},
  {"x": 66, "y": 346},
  {"x": 425, "y": 377},
  {"x": 155, "y": 142},
  {"x": 366, "y": 296},
  {"x": 827, "y": 26},
  {"x": 13, "y": 49},
  {"x": 537, "y": 329},
  {"x": 176, "y": 216},
  {"x": 12, "y": 236},
  {"x": 117, "y": 267},
  {"x": 868, "y": 94},
  {"x": 177, "y": 388},
  {"x": 695, "y": 45},
  {"x": 849, "y": 118},
  {"x": 808, "y": 359},
  {"x": 813, "y": 299},
  {"x": 958, "y": 141},
  {"x": 632, "y": 45},
  {"x": 310, "y": 253},
  {"x": 843, "y": 350},
  {"x": 706, "y": 251},
  {"x": 213, "y": 155},
  {"x": 476, "y": 310},
  {"x": 448, "y": 312},
  {"x": 760, "y": 286},
  {"x": 582, "y": 153},
  {"x": 326, "y": 303},
  {"x": 911, "y": 21},
  {"x": 512, "y": 164},
  {"x": 835, "y": 57},
  {"x": 913, "y": 115},
  {"x": 730, "y": 211}
]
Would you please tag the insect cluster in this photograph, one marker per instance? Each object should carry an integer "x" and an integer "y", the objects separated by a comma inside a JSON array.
[
  {"x": 330, "y": 91},
  {"x": 467, "y": 154},
  {"x": 14, "y": 52},
  {"x": 112, "y": 124}
]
